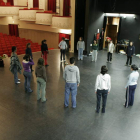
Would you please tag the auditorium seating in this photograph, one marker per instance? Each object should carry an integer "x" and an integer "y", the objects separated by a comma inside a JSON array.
[{"x": 7, "y": 41}]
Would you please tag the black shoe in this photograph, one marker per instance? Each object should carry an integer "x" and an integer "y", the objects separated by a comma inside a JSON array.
[
  {"x": 65, "y": 106},
  {"x": 32, "y": 70},
  {"x": 103, "y": 110},
  {"x": 46, "y": 65}
]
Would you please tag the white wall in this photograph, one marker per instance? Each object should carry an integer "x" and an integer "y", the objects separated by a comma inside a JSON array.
[{"x": 20, "y": 2}]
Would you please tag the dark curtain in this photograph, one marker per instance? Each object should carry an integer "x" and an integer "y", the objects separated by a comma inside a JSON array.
[
  {"x": 35, "y": 3},
  {"x": 105, "y": 22},
  {"x": 52, "y": 5},
  {"x": 119, "y": 31},
  {"x": 66, "y": 8},
  {"x": 11, "y": 2},
  {"x": 13, "y": 30}
]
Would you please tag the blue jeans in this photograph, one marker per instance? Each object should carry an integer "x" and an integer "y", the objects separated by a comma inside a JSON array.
[
  {"x": 27, "y": 76},
  {"x": 15, "y": 75},
  {"x": 80, "y": 53},
  {"x": 70, "y": 87}
]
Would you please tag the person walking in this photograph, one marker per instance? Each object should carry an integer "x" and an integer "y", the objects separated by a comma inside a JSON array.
[
  {"x": 27, "y": 63},
  {"x": 130, "y": 52},
  {"x": 80, "y": 48},
  {"x": 40, "y": 73},
  {"x": 102, "y": 88},
  {"x": 131, "y": 86},
  {"x": 15, "y": 65},
  {"x": 94, "y": 50},
  {"x": 72, "y": 78},
  {"x": 44, "y": 50},
  {"x": 110, "y": 51},
  {"x": 29, "y": 52},
  {"x": 63, "y": 46}
]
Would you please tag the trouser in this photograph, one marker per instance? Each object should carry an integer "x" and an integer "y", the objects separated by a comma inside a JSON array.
[
  {"x": 94, "y": 55},
  {"x": 63, "y": 52},
  {"x": 80, "y": 53},
  {"x": 70, "y": 87},
  {"x": 45, "y": 57},
  {"x": 129, "y": 58},
  {"x": 41, "y": 89},
  {"x": 109, "y": 56},
  {"x": 15, "y": 75},
  {"x": 103, "y": 94},
  {"x": 130, "y": 91},
  {"x": 27, "y": 76}
]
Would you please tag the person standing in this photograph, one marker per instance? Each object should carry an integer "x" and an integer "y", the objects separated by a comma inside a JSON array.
[
  {"x": 102, "y": 88},
  {"x": 94, "y": 50},
  {"x": 130, "y": 52},
  {"x": 29, "y": 52},
  {"x": 63, "y": 46},
  {"x": 72, "y": 78},
  {"x": 44, "y": 50},
  {"x": 40, "y": 73},
  {"x": 110, "y": 51},
  {"x": 80, "y": 48},
  {"x": 15, "y": 65},
  {"x": 131, "y": 86},
  {"x": 27, "y": 63}
]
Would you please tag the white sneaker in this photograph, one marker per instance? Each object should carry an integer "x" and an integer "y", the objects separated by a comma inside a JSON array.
[
  {"x": 110, "y": 62},
  {"x": 64, "y": 60},
  {"x": 18, "y": 82},
  {"x": 61, "y": 61},
  {"x": 18, "y": 79},
  {"x": 92, "y": 60}
]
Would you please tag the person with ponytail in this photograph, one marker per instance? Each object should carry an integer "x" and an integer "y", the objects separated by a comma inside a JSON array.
[{"x": 131, "y": 86}]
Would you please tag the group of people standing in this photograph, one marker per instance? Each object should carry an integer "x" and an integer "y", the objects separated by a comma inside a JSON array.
[
  {"x": 40, "y": 71},
  {"x": 71, "y": 73}
]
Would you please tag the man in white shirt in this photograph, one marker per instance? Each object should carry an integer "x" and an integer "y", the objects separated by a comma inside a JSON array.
[
  {"x": 63, "y": 46},
  {"x": 110, "y": 51},
  {"x": 102, "y": 88}
]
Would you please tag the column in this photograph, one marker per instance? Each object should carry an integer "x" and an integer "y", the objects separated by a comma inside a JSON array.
[
  {"x": 30, "y": 4},
  {"x": 73, "y": 25},
  {"x": 42, "y": 4},
  {"x": 61, "y": 7}
]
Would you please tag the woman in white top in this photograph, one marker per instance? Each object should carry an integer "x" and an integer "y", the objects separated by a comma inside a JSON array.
[
  {"x": 110, "y": 51},
  {"x": 80, "y": 48},
  {"x": 131, "y": 86},
  {"x": 102, "y": 88}
]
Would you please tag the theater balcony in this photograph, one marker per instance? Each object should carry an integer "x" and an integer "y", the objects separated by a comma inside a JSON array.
[
  {"x": 29, "y": 14},
  {"x": 63, "y": 22},
  {"x": 44, "y": 18},
  {"x": 10, "y": 10}
]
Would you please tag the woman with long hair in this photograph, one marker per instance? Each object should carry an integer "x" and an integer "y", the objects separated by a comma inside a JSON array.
[
  {"x": 15, "y": 65},
  {"x": 80, "y": 48},
  {"x": 40, "y": 72},
  {"x": 44, "y": 50},
  {"x": 29, "y": 52},
  {"x": 27, "y": 63},
  {"x": 131, "y": 86},
  {"x": 102, "y": 88}
]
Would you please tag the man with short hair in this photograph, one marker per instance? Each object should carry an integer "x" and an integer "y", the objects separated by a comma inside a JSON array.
[
  {"x": 63, "y": 46},
  {"x": 72, "y": 78}
]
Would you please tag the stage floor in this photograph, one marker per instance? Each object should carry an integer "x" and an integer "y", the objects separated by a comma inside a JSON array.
[{"x": 23, "y": 118}]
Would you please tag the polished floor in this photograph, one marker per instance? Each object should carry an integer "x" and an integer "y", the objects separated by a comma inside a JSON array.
[{"x": 23, "y": 118}]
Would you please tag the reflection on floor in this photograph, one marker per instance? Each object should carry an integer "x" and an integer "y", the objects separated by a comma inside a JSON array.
[{"x": 23, "y": 118}]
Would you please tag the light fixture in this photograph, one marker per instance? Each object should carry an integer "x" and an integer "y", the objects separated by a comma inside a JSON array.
[
  {"x": 124, "y": 16},
  {"x": 112, "y": 14},
  {"x": 65, "y": 31}
]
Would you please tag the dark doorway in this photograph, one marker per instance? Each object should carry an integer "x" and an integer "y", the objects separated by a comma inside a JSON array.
[{"x": 13, "y": 30}]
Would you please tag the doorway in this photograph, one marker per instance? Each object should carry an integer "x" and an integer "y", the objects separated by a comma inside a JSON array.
[
  {"x": 13, "y": 30},
  {"x": 111, "y": 31}
]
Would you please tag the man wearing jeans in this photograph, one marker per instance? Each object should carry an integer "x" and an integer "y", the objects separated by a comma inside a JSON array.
[
  {"x": 72, "y": 78},
  {"x": 63, "y": 46}
]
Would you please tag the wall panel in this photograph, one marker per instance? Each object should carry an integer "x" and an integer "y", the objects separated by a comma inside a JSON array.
[
  {"x": 38, "y": 36},
  {"x": 4, "y": 29}
]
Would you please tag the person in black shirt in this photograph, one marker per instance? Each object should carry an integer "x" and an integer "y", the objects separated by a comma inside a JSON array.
[
  {"x": 29, "y": 52},
  {"x": 1, "y": 62},
  {"x": 130, "y": 52},
  {"x": 44, "y": 50}
]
